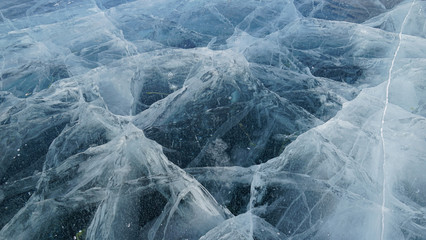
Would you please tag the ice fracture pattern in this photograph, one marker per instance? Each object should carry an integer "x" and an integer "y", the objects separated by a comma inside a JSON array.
[{"x": 221, "y": 119}]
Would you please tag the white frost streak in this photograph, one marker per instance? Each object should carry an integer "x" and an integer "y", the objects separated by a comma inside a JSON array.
[
  {"x": 382, "y": 235},
  {"x": 256, "y": 182}
]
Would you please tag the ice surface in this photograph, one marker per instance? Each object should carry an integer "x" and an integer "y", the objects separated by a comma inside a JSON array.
[
  {"x": 97, "y": 173},
  {"x": 344, "y": 10},
  {"x": 241, "y": 227},
  {"x": 223, "y": 119},
  {"x": 392, "y": 20},
  {"x": 219, "y": 103}
]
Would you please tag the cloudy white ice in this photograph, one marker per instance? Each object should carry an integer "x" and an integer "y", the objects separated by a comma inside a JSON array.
[{"x": 222, "y": 119}]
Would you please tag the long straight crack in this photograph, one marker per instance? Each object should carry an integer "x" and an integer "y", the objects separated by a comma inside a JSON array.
[{"x": 382, "y": 234}]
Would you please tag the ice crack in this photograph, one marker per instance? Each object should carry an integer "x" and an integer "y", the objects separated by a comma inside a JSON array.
[
  {"x": 382, "y": 236},
  {"x": 255, "y": 187}
]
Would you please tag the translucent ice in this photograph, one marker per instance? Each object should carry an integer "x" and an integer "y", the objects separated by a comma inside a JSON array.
[{"x": 222, "y": 119}]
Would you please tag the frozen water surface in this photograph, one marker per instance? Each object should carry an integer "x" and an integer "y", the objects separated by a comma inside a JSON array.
[{"x": 223, "y": 119}]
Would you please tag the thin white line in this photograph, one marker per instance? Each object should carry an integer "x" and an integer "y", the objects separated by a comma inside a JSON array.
[
  {"x": 382, "y": 235},
  {"x": 253, "y": 192}
]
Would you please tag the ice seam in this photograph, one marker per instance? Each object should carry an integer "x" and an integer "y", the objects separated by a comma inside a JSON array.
[{"x": 383, "y": 122}]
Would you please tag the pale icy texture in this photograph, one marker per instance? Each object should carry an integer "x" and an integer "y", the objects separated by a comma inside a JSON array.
[{"x": 223, "y": 119}]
